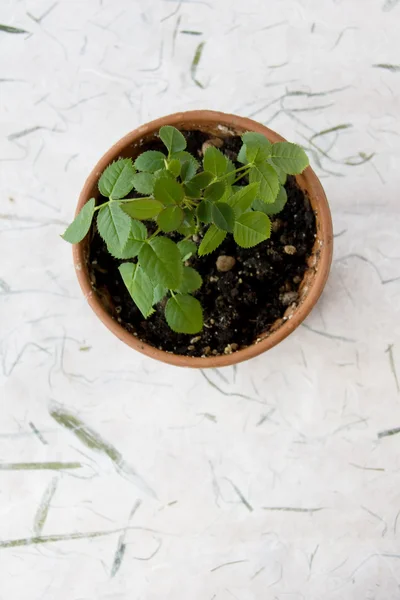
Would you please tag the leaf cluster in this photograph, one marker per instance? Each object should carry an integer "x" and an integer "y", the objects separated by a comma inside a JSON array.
[{"x": 177, "y": 193}]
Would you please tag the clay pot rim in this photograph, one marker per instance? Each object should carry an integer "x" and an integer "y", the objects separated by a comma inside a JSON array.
[{"x": 307, "y": 180}]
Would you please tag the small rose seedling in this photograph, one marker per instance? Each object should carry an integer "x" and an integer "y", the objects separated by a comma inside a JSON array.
[{"x": 177, "y": 193}]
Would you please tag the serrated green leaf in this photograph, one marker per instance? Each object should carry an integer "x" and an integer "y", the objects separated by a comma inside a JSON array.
[
  {"x": 139, "y": 286},
  {"x": 275, "y": 207},
  {"x": 187, "y": 230},
  {"x": 187, "y": 171},
  {"x": 187, "y": 248},
  {"x": 191, "y": 281},
  {"x": 256, "y": 138},
  {"x": 116, "y": 180},
  {"x": 170, "y": 218},
  {"x": 214, "y": 161},
  {"x": 159, "y": 293},
  {"x": 258, "y": 147},
  {"x": 223, "y": 216},
  {"x": 137, "y": 235},
  {"x": 255, "y": 154},
  {"x": 168, "y": 191},
  {"x": 227, "y": 194},
  {"x": 186, "y": 157},
  {"x": 261, "y": 206},
  {"x": 142, "y": 209},
  {"x": 215, "y": 191},
  {"x": 172, "y": 138},
  {"x": 161, "y": 259},
  {"x": 212, "y": 239},
  {"x": 289, "y": 157},
  {"x": 81, "y": 224},
  {"x": 138, "y": 231},
  {"x": 184, "y": 314},
  {"x": 202, "y": 180},
  {"x": 114, "y": 226},
  {"x": 188, "y": 218},
  {"x": 242, "y": 200},
  {"x": 191, "y": 191},
  {"x": 194, "y": 186},
  {"x": 174, "y": 167},
  {"x": 188, "y": 226},
  {"x": 203, "y": 211},
  {"x": 163, "y": 174},
  {"x": 230, "y": 168},
  {"x": 143, "y": 183},
  {"x": 241, "y": 157},
  {"x": 150, "y": 161},
  {"x": 268, "y": 181},
  {"x": 281, "y": 174},
  {"x": 133, "y": 244},
  {"x": 251, "y": 228}
]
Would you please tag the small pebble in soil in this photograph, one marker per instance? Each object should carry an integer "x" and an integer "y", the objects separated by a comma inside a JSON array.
[
  {"x": 190, "y": 348},
  {"x": 289, "y": 312},
  {"x": 289, "y": 249},
  {"x": 231, "y": 155},
  {"x": 195, "y": 339},
  {"x": 288, "y": 298},
  {"x": 276, "y": 224},
  {"x": 216, "y": 142},
  {"x": 229, "y": 348},
  {"x": 225, "y": 263},
  {"x": 296, "y": 279}
]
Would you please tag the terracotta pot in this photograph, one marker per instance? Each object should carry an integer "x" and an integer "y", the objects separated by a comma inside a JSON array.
[{"x": 318, "y": 264}]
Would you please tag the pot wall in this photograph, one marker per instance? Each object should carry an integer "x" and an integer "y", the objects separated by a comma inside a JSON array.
[{"x": 314, "y": 280}]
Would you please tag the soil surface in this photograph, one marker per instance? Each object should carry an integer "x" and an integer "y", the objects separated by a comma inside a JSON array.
[{"x": 239, "y": 304}]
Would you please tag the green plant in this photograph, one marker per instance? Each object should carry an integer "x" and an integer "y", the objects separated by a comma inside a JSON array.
[{"x": 173, "y": 192}]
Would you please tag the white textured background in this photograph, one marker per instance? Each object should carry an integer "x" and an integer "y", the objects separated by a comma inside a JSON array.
[{"x": 226, "y": 453}]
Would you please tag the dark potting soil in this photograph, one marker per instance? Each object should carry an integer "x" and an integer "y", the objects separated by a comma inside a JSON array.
[{"x": 238, "y": 305}]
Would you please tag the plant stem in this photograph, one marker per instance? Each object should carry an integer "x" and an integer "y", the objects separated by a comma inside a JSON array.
[
  {"x": 132, "y": 199},
  {"x": 189, "y": 203},
  {"x": 248, "y": 166},
  {"x": 242, "y": 175},
  {"x": 99, "y": 206},
  {"x": 153, "y": 235}
]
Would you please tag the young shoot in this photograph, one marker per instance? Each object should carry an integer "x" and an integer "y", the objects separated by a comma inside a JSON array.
[{"x": 176, "y": 193}]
